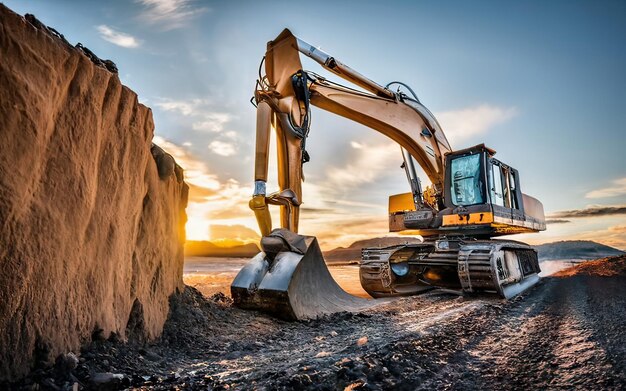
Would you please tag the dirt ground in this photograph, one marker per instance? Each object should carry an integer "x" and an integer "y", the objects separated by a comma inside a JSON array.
[{"x": 566, "y": 332}]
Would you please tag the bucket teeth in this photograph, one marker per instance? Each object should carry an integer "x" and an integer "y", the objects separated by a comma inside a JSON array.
[{"x": 293, "y": 286}]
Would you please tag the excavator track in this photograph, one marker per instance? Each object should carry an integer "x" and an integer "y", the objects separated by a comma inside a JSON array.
[{"x": 505, "y": 268}]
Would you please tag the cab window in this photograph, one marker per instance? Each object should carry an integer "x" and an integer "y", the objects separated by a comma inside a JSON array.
[
  {"x": 496, "y": 189},
  {"x": 513, "y": 186},
  {"x": 466, "y": 186},
  {"x": 502, "y": 185}
]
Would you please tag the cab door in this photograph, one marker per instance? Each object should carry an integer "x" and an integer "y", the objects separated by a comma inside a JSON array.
[
  {"x": 505, "y": 193},
  {"x": 517, "y": 205},
  {"x": 499, "y": 191}
]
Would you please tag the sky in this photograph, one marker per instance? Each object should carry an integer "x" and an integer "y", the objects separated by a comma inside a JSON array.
[{"x": 542, "y": 83}]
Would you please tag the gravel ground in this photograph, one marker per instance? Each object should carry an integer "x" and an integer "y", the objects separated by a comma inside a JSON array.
[{"x": 566, "y": 332}]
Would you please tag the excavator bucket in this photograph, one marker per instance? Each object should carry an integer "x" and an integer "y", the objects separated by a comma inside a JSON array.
[{"x": 292, "y": 284}]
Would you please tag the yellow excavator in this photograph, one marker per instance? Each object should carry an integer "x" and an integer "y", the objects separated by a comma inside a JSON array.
[{"x": 472, "y": 198}]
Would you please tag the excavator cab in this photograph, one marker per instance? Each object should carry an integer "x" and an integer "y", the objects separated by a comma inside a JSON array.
[{"x": 482, "y": 198}]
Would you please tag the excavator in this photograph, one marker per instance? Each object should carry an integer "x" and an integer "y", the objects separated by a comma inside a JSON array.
[{"x": 473, "y": 197}]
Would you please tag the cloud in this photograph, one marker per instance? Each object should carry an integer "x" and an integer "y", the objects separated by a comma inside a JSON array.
[
  {"x": 202, "y": 183},
  {"x": 230, "y": 204},
  {"x": 230, "y": 134},
  {"x": 117, "y": 38},
  {"x": 614, "y": 191},
  {"x": 212, "y": 122},
  {"x": 463, "y": 124},
  {"x": 318, "y": 210},
  {"x": 202, "y": 115},
  {"x": 618, "y": 228},
  {"x": 199, "y": 193},
  {"x": 591, "y": 211},
  {"x": 184, "y": 107},
  {"x": 169, "y": 14},
  {"x": 557, "y": 221},
  {"x": 222, "y": 148},
  {"x": 366, "y": 164}
]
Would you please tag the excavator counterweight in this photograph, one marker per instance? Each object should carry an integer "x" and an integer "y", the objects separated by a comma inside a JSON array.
[{"x": 472, "y": 198}]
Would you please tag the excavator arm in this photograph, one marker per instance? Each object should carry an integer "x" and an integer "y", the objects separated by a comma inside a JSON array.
[{"x": 284, "y": 98}]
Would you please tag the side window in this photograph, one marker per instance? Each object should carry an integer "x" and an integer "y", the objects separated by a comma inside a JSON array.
[
  {"x": 505, "y": 186},
  {"x": 466, "y": 187},
  {"x": 513, "y": 186},
  {"x": 497, "y": 195}
]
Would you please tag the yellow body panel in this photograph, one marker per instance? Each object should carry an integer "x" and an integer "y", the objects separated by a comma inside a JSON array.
[
  {"x": 501, "y": 225},
  {"x": 401, "y": 202},
  {"x": 472, "y": 218}
]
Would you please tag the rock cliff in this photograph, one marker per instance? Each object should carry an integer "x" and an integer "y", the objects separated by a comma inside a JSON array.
[{"x": 91, "y": 213}]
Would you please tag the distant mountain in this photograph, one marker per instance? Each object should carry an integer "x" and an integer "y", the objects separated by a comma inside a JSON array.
[
  {"x": 353, "y": 252},
  {"x": 205, "y": 248},
  {"x": 575, "y": 249}
]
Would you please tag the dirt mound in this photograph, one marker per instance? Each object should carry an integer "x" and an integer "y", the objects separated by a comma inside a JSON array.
[
  {"x": 91, "y": 214},
  {"x": 605, "y": 267},
  {"x": 575, "y": 249}
]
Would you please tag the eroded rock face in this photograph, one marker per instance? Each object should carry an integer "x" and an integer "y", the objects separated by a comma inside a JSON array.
[{"x": 91, "y": 227}]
